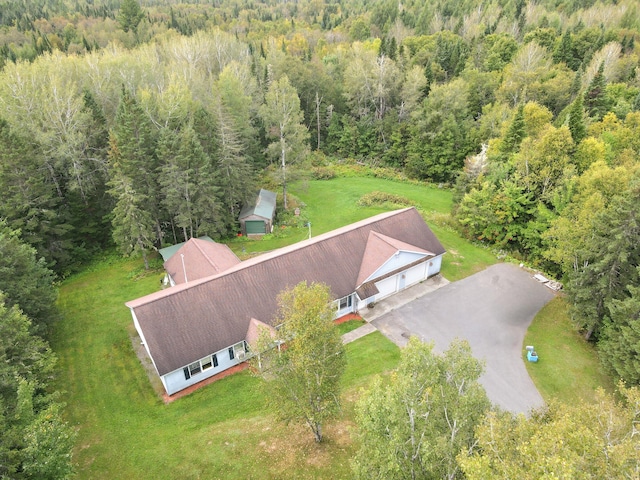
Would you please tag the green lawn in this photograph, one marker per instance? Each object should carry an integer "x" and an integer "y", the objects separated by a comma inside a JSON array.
[
  {"x": 220, "y": 431},
  {"x": 330, "y": 204},
  {"x": 568, "y": 367},
  {"x": 349, "y": 325}
]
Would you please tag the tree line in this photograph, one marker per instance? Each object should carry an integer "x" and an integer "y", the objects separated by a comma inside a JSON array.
[{"x": 36, "y": 442}]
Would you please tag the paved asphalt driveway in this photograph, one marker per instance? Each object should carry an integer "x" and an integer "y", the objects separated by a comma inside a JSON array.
[{"x": 492, "y": 310}]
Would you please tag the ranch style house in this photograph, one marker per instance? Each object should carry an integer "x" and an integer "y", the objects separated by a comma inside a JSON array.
[{"x": 203, "y": 326}]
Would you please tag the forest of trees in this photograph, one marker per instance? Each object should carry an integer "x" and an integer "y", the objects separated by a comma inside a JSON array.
[{"x": 138, "y": 124}]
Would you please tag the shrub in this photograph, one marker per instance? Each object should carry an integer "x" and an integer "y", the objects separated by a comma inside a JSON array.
[
  {"x": 383, "y": 198},
  {"x": 322, "y": 173}
]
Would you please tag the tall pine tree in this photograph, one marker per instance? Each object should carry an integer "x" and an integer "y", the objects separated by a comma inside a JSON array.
[
  {"x": 577, "y": 125},
  {"x": 596, "y": 101},
  {"x": 132, "y": 179}
]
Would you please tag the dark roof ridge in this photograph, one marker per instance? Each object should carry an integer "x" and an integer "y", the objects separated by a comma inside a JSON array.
[
  {"x": 152, "y": 297},
  {"x": 198, "y": 246}
]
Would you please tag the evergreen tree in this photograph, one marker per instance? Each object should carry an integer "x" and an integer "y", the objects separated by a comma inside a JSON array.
[
  {"x": 596, "y": 102},
  {"x": 132, "y": 223},
  {"x": 577, "y": 124},
  {"x": 130, "y": 15},
  {"x": 133, "y": 171},
  {"x": 29, "y": 283},
  {"x": 188, "y": 184},
  {"x": 620, "y": 341},
  {"x": 515, "y": 134},
  {"x": 576, "y": 86},
  {"x": 29, "y": 202},
  {"x": 564, "y": 52},
  {"x": 612, "y": 265},
  {"x": 428, "y": 73},
  {"x": 392, "y": 49}
]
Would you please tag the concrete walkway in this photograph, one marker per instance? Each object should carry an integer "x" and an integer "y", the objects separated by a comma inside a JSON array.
[
  {"x": 358, "y": 333},
  {"x": 400, "y": 299},
  {"x": 391, "y": 303}
]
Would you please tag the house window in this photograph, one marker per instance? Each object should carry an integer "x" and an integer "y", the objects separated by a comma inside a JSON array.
[
  {"x": 194, "y": 368},
  {"x": 231, "y": 354},
  {"x": 207, "y": 363},
  {"x": 191, "y": 370},
  {"x": 345, "y": 302},
  {"x": 214, "y": 357}
]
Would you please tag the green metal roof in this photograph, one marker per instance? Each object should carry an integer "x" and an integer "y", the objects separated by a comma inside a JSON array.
[
  {"x": 264, "y": 207},
  {"x": 169, "y": 252}
]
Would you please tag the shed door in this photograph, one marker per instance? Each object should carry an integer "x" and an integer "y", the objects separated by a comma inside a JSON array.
[{"x": 255, "y": 227}]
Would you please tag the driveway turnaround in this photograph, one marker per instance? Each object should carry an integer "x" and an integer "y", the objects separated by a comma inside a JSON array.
[{"x": 492, "y": 310}]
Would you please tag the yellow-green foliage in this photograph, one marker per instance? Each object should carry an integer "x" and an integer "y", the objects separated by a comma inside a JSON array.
[{"x": 383, "y": 198}]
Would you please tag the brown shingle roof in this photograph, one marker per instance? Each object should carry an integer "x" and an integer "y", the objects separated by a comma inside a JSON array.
[
  {"x": 255, "y": 329},
  {"x": 202, "y": 258},
  {"x": 192, "y": 320}
]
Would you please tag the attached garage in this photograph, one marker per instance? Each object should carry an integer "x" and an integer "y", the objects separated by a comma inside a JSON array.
[
  {"x": 416, "y": 274},
  {"x": 387, "y": 287}
]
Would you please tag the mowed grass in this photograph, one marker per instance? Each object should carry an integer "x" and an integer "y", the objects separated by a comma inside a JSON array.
[
  {"x": 220, "y": 431},
  {"x": 330, "y": 204},
  {"x": 568, "y": 368}
]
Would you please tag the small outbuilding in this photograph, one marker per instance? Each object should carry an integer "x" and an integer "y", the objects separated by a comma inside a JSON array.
[{"x": 257, "y": 218}]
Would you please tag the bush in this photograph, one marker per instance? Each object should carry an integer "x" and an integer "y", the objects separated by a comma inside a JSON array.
[
  {"x": 322, "y": 173},
  {"x": 381, "y": 198}
]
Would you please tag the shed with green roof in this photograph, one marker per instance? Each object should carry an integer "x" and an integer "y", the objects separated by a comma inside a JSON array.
[{"x": 257, "y": 218}]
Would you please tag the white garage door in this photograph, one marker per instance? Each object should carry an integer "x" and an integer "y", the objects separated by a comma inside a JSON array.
[
  {"x": 386, "y": 287},
  {"x": 415, "y": 274}
]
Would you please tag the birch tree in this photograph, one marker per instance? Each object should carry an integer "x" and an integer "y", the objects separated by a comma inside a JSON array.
[
  {"x": 415, "y": 426},
  {"x": 302, "y": 380},
  {"x": 284, "y": 124}
]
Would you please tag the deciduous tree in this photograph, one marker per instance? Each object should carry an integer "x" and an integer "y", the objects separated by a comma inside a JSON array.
[
  {"x": 581, "y": 440},
  {"x": 283, "y": 121},
  {"x": 302, "y": 378},
  {"x": 415, "y": 426}
]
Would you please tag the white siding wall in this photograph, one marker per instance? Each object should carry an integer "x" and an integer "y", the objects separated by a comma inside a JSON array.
[
  {"x": 397, "y": 261},
  {"x": 434, "y": 265},
  {"x": 175, "y": 381}
]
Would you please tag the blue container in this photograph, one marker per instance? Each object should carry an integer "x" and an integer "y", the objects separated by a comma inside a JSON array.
[{"x": 532, "y": 356}]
